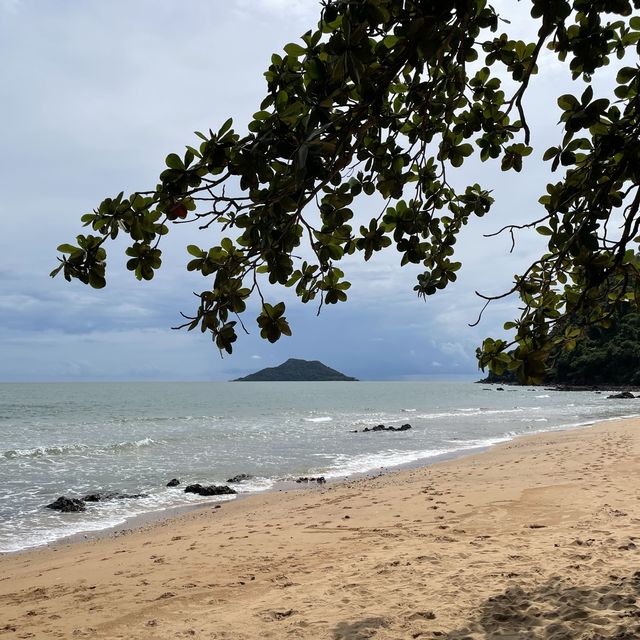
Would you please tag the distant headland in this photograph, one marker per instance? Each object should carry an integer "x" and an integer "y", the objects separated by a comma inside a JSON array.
[{"x": 295, "y": 370}]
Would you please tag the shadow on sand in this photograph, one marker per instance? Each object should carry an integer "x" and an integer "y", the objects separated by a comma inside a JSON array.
[{"x": 556, "y": 610}]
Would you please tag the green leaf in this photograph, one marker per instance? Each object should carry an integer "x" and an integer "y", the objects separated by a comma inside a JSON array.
[
  {"x": 295, "y": 50},
  {"x": 225, "y": 127},
  {"x": 67, "y": 248},
  {"x": 174, "y": 161},
  {"x": 567, "y": 102}
]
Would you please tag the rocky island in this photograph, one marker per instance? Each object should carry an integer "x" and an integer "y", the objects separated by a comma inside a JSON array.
[{"x": 295, "y": 370}]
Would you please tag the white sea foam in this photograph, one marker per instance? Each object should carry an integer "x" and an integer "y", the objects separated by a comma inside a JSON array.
[
  {"x": 347, "y": 465},
  {"x": 38, "y": 452},
  {"x": 254, "y": 485},
  {"x": 321, "y": 419},
  {"x": 477, "y": 443},
  {"x": 468, "y": 412},
  {"x": 58, "y": 450},
  {"x": 100, "y": 516}
]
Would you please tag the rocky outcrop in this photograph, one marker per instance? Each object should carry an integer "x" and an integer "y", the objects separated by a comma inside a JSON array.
[
  {"x": 112, "y": 495},
  {"x": 211, "y": 490},
  {"x": 174, "y": 482},
  {"x": 67, "y": 505},
  {"x": 625, "y": 395},
  {"x": 381, "y": 427},
  {"x": 319, "y": 480},
  {"x": 241, "y": 477}
]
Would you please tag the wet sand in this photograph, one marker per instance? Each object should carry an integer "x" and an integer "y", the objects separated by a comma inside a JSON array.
[{"x": 536, "y": 538}]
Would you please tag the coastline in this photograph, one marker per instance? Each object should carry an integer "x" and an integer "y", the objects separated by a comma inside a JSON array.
[
  {"x": 524, "y": 536},
  {"x": 156, "y": 517},
  {"x": 163, "y": 432}
]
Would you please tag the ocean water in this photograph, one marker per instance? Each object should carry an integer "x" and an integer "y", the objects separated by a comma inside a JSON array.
[{"x": 78, "y": 438}]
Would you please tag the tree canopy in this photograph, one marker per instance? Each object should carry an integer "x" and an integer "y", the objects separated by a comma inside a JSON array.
[
  {"x": 391, "y": 96},
  {"x": 604, "y": 356},
  {"x": 609, "y": 356}
]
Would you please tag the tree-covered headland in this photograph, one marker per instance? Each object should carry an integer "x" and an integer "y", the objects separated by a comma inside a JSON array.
[
  {"x": 391, "y": 97},
  {"x": 603, "y": 356}
]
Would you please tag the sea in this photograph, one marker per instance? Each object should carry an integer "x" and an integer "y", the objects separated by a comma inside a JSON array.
[{"x": 74, "y": 439}]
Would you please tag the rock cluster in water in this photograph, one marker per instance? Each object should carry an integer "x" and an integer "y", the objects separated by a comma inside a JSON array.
[
  {"x": 211, "y": 490},
  {"x": 69, "y": 505},
  {"x": 65, "y": 504},
  {"x": 381, "y": 427},
  {"x": 113, "y": 495},
  {"x": 241, "y": 477}
]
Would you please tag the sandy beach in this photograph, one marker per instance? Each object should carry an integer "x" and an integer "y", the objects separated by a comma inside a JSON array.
[{"x": 536, "y": 538}]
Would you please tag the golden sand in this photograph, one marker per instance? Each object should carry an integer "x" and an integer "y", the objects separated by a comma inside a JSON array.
[{"x": 537, "y": 538}]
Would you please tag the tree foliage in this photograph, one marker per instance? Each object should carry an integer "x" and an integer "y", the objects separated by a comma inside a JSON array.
[
  {"x": 391, "y": 97},
  {"x": 609, "y": 356},
  {"x": 606, "y": 356}
]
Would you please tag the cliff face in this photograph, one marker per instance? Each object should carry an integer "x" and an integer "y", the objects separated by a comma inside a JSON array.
[{"x": 294, "y": 370}]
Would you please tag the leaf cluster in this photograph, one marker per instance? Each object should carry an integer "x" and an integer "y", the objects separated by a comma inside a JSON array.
[{"x": 391, "y": 97}]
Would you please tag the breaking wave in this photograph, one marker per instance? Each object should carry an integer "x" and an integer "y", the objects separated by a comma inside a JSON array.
[{"x": 64, "y": 449}]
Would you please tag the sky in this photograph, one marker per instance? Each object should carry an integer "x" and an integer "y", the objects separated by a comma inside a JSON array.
[{"x": 95, "y": 94}]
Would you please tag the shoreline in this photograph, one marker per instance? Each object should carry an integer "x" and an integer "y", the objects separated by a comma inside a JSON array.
[
  {"x": 150, "y": 519},
  {"x": 536, "y": 537},
  {"x": 145, "y": 520}
]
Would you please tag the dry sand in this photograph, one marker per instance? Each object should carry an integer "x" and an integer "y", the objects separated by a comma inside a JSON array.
[{"x": 537, "y": 538}]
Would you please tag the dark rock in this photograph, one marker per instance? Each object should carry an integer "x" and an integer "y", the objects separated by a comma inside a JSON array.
[
  {"x": 623, "y": 396},
  {"x": 499, "y": 389},
  {"x": 174, "y": 482},
  {"x": 319, "y": 479},
  {"x": 113, "y": 495},
  {"x": 67, "y": 505},
  {"x": 99, "y": 497},
  {"x": 381, "y": 427},
  {"x": 241, "y": 477},
  {"x": 211, "y": 490},
  {"x": 579, "y": 387}
]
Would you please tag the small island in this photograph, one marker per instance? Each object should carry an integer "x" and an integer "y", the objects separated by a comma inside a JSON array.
[{"x": 295, "y": 370}]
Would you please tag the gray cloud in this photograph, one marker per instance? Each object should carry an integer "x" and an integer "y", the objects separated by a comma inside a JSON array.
[{"x": 95, "y": 94}]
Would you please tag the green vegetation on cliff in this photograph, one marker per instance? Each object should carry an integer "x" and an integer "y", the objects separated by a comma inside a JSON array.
[
  {"x": 297, "y": 370},
  {"x": 604, "y": 356}
]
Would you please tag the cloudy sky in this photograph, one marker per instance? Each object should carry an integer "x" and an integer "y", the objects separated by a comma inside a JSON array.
[{"x": 95, "y": 94}]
